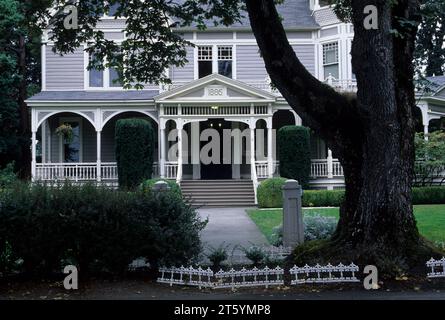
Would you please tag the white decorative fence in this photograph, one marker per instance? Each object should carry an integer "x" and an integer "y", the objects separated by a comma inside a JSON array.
[
  {"x": 249, "y": 278},
  {"x": 437, "y": 268},
  {"x": 187, "y": 276},
  {"x": 205, "y": 278},
  {"x": 324, "y": 274}
]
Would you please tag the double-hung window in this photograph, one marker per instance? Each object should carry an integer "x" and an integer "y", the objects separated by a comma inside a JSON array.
[
  {"x": 104, "y": 78},
  {"x": 215, "y": 59},
  {"x": 225, "y": 61},
  {"x": 330, "y": 60},
  {"x": 205, "y": 61}
]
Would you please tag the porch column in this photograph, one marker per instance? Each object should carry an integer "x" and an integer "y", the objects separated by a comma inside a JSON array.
[
  {"x": 33, "y": 155},
  {"x": 270, "y": 148},
  {"x": 162, "y": 150},
  {"x": 99, "y": 156},
  {"x": 423, "y": 106},
  {"x": 195, "y": 148},
  {"x": 330, "y": 165},
  {"x": 179, "y": 127},
  {"x": 252, "y": 151}
]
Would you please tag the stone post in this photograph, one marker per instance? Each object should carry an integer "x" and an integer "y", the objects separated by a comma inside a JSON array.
[{"x": 293, "y": 230}]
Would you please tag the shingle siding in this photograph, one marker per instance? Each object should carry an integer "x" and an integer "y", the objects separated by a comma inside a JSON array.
[{"x": 64, "y": 72}]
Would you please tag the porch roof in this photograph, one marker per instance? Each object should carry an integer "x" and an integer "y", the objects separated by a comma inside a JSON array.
[{"x": 124, "y": 95}]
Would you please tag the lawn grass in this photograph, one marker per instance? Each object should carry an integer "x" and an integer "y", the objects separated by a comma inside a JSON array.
[{"x": 430, "y": 219}]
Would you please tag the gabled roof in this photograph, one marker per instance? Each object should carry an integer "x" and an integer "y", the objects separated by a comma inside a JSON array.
[
  {"x": 296, "y": 14},
  {"x": 215, "y": 88}
]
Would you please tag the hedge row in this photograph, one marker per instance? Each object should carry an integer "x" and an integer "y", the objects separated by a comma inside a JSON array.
[
  {"x": 270, "y": 195},
  {"x": 97, "y": 229}
]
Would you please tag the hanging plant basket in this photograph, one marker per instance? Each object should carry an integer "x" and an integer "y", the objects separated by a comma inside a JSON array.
[{"x": 66, "y": 132}]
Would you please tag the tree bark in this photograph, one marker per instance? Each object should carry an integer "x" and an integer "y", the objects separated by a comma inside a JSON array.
[{"x": 372, "y": 134}]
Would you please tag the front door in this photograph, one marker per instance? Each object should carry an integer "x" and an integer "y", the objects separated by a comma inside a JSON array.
[{"x": 215, "y": 171}]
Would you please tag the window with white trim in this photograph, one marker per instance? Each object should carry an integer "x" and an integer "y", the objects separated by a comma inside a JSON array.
[
  {"x": 215, "y": 59},
  {"x": 104, "y": 78},
  {"x": 330, "y": 60},
  {"x": 225, "y": 61},
  {"x": 205, "y": 61}
]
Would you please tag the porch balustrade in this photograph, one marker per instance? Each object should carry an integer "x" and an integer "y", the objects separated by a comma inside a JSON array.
[{"x": 326, "y": 168}]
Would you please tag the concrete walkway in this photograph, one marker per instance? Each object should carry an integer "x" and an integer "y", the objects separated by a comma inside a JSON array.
[{"x": 230, "y": 227}]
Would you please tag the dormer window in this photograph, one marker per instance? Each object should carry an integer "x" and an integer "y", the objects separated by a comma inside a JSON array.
[{"x": 215, "y": 59}]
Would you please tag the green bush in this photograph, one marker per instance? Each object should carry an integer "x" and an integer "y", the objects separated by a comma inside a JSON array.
[
  {"x": 8, "y": 176},
  {"x": 322, "y": 198},
  {"x": 134, "y": 151},
  {"x": 270, "y": 194},
  {"x": 174, "y": 187},
  {"x": 429, "y": 195},
  {"x": 294, "y": 153},
  {"x": 97, "y": 229}
]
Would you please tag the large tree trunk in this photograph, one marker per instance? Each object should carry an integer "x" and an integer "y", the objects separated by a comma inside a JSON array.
[{"x": 372, "y": 134}]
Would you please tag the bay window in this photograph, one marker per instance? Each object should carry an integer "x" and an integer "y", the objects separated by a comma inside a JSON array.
[{"x": 330, "y": 60}]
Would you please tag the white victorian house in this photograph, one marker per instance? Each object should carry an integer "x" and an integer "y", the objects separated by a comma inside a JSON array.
[{"x": 224, "y": 85}]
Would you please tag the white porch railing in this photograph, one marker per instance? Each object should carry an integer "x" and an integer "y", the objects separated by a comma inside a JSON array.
[
  {"x": 262, "y": 170},
  {"x": 323, "y": 168},
  {"x": 342, "y": 85},
  {"x": 66, "y": 171},
  {"x": 171, "y": 170},
  {"x": 83, "y": 172}
]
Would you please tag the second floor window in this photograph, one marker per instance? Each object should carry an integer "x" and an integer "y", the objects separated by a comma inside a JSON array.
[
  {"x": 330, "y": 60},
  {"x": 225, "y": 61},
  {"x": 215, "y": 59},
  {"x": 96, "y": 77},
  {"x": 107, "y": 78},
  {"x": 205, "y": 61}
]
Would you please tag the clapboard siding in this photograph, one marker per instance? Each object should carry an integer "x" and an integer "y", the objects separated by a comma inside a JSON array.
[
  {"x": 306, "y": 54},
  {"x": 64, "y": 72},
  {"x": 185, "y": 73},
  {"x": 250, "y": 64},
  {"x": 441, "y": 94}
]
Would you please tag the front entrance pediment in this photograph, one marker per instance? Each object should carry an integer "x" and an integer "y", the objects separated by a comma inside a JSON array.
[{"x": 215, "y": 88}]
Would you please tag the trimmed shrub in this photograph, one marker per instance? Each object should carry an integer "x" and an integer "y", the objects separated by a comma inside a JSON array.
[
  {"x": 147, "y": 186},
  {"x": 97, "y": 229},
  {"x": 429, "y": 195},
  {"x": 270, "y": 194},
  {"x": 134, "y": 152},
  {"x": 322, "y": 198},
  {"x": 294, "y": 153}
]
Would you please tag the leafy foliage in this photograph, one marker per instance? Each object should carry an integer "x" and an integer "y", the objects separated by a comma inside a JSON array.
[
  {"x": 316, "y": 227},
  {"x": 97, "y": 229},
  {"x": 255, "y": 254},
  {"x": 270, "y": 194},
  {"x": 147, "y": 186},
  {"x": 430, "y": 158},
  {"x": 430, "y": 50},
  {"x": 7, "y": 176},
  {"x": 294, "y": 153},
  {"x": 134, "y": 151},
  {"x": 218, "y": 255},
  {"x": 153, "y": 43}
]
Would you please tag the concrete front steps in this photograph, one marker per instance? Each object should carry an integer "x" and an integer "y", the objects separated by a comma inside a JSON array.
[{"x": 219, "y": 193}]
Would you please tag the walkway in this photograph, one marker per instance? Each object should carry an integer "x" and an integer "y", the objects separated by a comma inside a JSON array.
[{"x": 230, "y": 227}]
